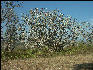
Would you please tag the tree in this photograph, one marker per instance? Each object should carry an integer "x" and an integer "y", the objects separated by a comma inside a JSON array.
[
  {"x": 54, "y": 29},
  {"x": 9, "y": 20}
]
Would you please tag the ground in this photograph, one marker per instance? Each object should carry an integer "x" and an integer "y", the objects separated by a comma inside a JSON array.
[{"x": 66, "y": 62}]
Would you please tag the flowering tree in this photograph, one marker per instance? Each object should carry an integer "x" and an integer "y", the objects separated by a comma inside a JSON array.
[
  {"x": 9, "y": 20},
  {"x": 54, "y": 29}
]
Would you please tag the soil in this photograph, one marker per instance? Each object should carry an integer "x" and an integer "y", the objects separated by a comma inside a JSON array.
[{"x": 73, "y": 62}]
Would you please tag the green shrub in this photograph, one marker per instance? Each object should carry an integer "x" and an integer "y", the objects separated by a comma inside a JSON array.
[{"x": 45, "y": 52}]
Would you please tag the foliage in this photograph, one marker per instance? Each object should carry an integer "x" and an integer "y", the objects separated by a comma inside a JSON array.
[
  {"x": 35, "y": 53},
  {"x": 54, "y": 29},
  {"x": 9, "y": 20}
]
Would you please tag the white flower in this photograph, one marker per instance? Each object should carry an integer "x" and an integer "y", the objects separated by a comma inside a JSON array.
[
  {"x": 34, "y": 11},
  {"x": 37, "y": 16},
  {"x": 59, "y": 18},
  {"x": 52, "y": 13},
  {"x": 28, "y": 19},
  {"x": 62, "y": 14},
  {"x": 40, "y": 15},
  {"x": 38, "y": 23},
  {"x": 50, "y": 20},
  {"x": 36, "y": 8},
  {"x": 34, "y": 20}
]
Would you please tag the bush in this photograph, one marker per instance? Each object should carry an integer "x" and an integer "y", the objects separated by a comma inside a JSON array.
[{"x": 46, "y": 52}]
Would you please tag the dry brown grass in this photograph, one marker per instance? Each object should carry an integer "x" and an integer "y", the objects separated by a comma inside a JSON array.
[{"x": 54, "y": 63}]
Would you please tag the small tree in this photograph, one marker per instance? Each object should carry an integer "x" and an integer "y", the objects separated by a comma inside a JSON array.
[{"x": 9, "y": 20}]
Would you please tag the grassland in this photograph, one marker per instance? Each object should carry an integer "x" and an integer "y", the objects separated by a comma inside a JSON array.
[{"x": 71, "y": 58}]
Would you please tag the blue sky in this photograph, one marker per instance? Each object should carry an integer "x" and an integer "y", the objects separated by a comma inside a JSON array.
[{"x": 82, "y": 10}]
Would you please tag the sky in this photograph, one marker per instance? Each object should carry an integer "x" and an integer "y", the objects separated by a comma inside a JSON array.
[{"x": 81, "y": 10}]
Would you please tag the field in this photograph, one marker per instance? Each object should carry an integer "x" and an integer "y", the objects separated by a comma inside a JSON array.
[
  {"x": 55, "y": 63},
  {"x": 72, "y": 59}
]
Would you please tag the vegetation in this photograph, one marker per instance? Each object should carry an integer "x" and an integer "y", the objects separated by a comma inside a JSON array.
[
  {"x": 49, "y": 33},
  {"x": 46, "y": 53}
]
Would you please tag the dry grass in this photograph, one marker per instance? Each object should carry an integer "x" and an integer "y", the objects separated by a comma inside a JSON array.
[{"x": 54, "y": 63}]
